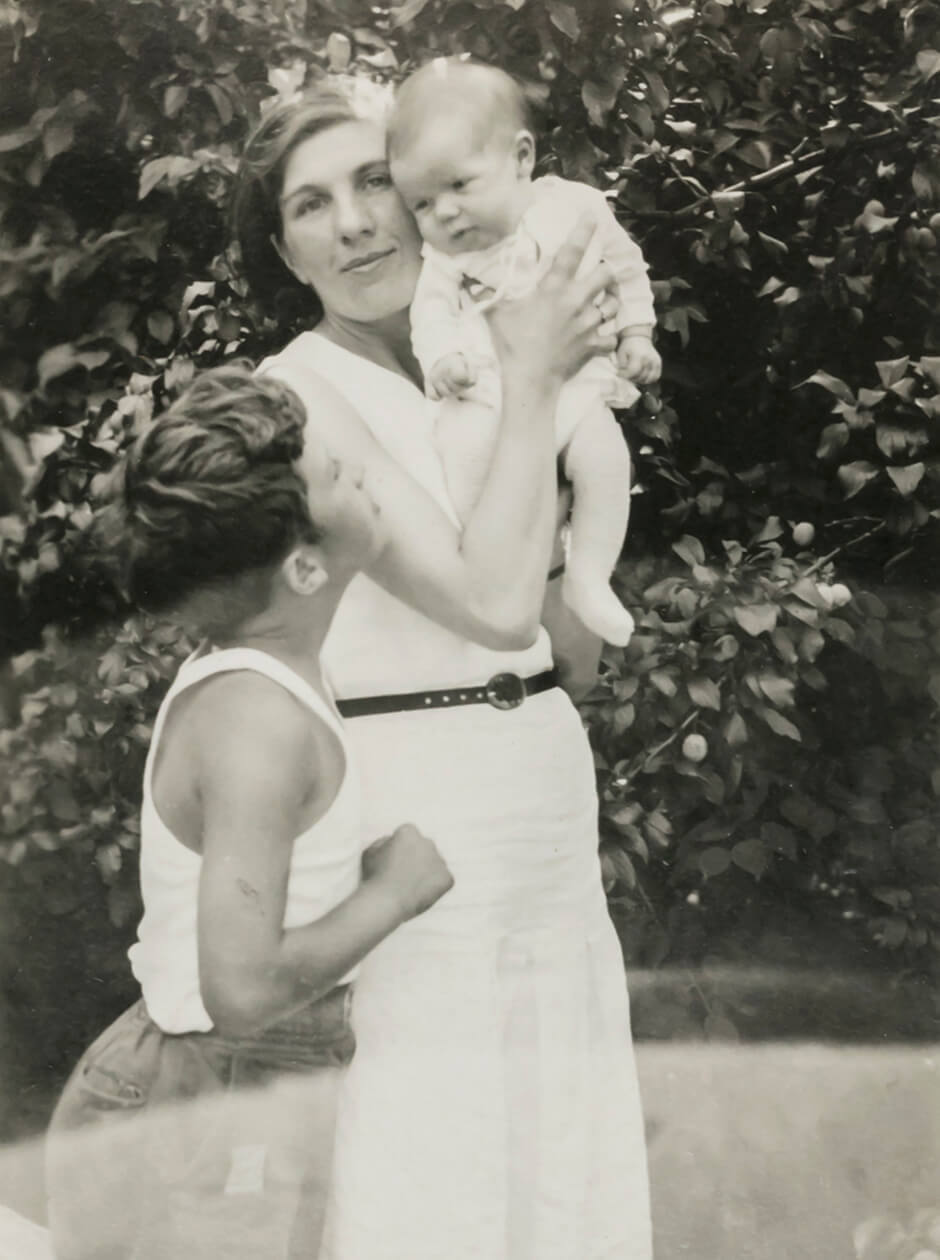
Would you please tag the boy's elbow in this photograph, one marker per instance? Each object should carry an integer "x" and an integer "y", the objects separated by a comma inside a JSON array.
[{"x": 236, "y": 1012}]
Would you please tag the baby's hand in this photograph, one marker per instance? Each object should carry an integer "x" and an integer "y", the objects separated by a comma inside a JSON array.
[
  {"x": 451, "y": 375},
  {"x": 638, "y": 359}
]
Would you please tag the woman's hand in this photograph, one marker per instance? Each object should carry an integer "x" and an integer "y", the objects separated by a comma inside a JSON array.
[{"x": 566, "y": 320}]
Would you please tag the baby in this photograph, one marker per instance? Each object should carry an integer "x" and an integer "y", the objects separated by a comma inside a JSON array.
[{"x": 461, "y": 153}]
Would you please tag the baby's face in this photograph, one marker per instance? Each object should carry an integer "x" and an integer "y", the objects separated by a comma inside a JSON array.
[{"x": 463, "y": 197}]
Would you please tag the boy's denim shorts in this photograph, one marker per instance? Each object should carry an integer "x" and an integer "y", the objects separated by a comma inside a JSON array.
[{"x": 196, "y": 1145}]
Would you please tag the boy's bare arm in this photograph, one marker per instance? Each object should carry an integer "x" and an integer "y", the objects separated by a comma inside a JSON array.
[{"x": 263, "y": 782}]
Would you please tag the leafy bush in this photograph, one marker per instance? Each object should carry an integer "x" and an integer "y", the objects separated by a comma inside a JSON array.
[{"x": 766, "y": 745}]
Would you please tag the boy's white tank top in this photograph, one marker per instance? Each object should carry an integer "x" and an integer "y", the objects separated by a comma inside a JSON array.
[{"x": 324, "y": 868}]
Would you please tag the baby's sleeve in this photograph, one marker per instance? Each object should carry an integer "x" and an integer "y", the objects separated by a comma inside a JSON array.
[
  {"x": 435, "y": 316},
  {"x": 621, "y": 252}
]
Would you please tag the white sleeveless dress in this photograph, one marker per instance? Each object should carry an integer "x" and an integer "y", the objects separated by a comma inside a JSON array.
[{"x": 491, "y": 1111}]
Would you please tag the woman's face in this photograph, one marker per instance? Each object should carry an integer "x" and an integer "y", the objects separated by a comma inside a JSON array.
[{"x": 345, "y": 230}]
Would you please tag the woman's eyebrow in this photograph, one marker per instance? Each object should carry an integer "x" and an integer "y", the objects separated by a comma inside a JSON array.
[{"x": 358, "y": 173}]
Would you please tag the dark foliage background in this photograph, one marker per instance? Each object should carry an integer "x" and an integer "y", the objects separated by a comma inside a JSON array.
[{"x": 767, "y": 745}]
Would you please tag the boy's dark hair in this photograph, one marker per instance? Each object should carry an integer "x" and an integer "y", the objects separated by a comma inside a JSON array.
[{"x": 209, "y": 491}]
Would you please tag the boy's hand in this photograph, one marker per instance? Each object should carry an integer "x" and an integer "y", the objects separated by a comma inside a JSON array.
[
  {"x": 452, "y": 375},
  {"x": 410, "y": 868},
  {"x": 638, "y": 359}
]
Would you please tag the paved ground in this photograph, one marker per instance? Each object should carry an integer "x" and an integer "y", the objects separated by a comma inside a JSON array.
[{"x": 757, "y": 1152}]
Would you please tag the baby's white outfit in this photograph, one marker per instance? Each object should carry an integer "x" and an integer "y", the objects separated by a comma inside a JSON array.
[
  {"x": 453, "y": 291},
  {"x": 448, "y": 316}
]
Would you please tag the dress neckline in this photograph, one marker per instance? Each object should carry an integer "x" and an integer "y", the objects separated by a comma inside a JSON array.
[{"x": 333, "y": 348}]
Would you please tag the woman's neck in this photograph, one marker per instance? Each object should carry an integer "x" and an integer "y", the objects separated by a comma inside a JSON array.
[{"x": 385, "y": 342}]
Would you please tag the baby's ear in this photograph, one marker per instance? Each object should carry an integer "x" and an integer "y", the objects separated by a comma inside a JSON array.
[{"x": 525, "y": 153}]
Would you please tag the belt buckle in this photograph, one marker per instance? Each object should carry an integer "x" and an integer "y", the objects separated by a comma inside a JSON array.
[{"x": 505, "y": 691}]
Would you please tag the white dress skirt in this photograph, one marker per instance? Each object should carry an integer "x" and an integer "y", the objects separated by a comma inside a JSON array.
[{"x": 491, "y": 1111}]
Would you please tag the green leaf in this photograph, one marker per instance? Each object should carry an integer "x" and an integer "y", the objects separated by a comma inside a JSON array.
[
  {"x": 930, "y": 366},
  {"x": 714, "y": 861},
  {"x": 892, "y": 370},
  {"x": 12, "y": 140},
  {"x": 689, "y": 549},
  {"x": 174, "y": 98},
  {"x": 663, "y": 682},
  {"x": 756, "y": 619},
  {"x": 751, "y": 856},
  {"x": 172, "y": 169},
  {"x": 907, "y": 479},
  {"x": 779, "y": 691},
  {"x": 832, "y": 439},
  {"x": 830, "y": 383},
  {"x": 756, "y": 153},
  {"x": 599, "y": 99},
  {"x": 160, "y": 326},
  {"x": 781, "y": 725},
  {"x": 57, "y": 136},
  {"x": 63, "y": 358},
  {"x": 856, "y": 476},
  {"x": 928, "y": 62},
  {"x": 563, "y": 16},
  {"x": 222, "y": 102},
  {"x": 704, "y": 693}
]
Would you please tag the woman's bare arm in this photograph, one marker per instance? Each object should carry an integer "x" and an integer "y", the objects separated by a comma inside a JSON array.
[
  {"x": 576, "y": 650},
  {"x": 486, "y": 581}
]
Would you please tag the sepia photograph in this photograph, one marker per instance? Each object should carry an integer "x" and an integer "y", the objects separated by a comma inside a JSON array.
[{"x": 469, "y": 630}]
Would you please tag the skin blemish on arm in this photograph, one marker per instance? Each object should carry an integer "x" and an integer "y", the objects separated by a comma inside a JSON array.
[{"x": 248, "y": 891}]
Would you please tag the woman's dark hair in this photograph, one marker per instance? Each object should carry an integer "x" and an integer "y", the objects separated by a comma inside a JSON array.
[
  {"x": 256, "y": 213},
  {"x": 209, "y": 491}
]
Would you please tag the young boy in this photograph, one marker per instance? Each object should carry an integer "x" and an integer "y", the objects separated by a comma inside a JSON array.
[
  {"x": 200, "y": 1123},
  {"x": 462, "y": 153}
]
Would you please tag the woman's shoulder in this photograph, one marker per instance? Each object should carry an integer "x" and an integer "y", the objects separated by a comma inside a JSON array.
[
  {"x": 306, "y": 365},
  {"x": 298, "y": 356}
]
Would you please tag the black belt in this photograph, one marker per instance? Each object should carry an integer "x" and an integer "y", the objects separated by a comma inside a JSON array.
[{"x": 503, "y": 691}]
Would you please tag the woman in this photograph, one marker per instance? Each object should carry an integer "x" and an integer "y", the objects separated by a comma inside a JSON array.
[{"x": 491, "y": 1111}]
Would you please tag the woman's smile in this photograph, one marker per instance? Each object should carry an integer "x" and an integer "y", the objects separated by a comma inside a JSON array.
[{"x": 368, "y": 262}]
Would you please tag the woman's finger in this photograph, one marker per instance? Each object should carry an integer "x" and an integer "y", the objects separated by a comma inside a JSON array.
[
  {"x": 571, "y": 253},
  {"x": 609, "y": 306}
]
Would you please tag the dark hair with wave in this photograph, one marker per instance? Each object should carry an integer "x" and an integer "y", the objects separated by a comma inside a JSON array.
[
  {"x": 256, "y": 212},
  {"x": 208, "y": 492}
]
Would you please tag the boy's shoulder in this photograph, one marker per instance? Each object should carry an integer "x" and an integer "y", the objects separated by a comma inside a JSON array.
[{"x": 246, "y": 716}]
